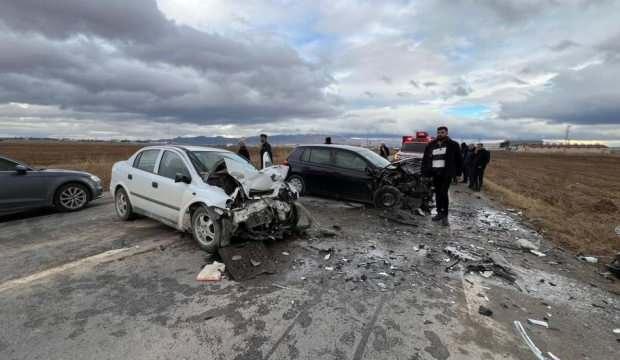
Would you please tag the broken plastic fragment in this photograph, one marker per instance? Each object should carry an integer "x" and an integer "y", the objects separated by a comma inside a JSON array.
[
  {"x": 538, "y": 253},
  {"x": 590, "y": 259},
  {"x": 327, "y": 256},
  {"x": 254, "y": 262},
  {"x": 285, "y": 253},
  {"x": 538, "y": 322},
  {"x": 617, "y": 331},
  {"x": 329, "y": 268},
  {"x": 211, "y": 272},
  {"x": 483, "y": 310},
  {"x": 237, "y": 258},
  {"x": 526, "y": 244}
]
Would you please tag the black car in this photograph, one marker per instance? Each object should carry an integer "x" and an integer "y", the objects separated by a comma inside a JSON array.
[
  {"x": 357, "y": 174},
  {"x": 23, "y": 188}
]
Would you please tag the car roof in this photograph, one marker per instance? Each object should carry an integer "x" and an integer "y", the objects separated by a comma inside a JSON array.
[
  {"x": 334, "y": 146},
  {"x": 182, "y": 147}
]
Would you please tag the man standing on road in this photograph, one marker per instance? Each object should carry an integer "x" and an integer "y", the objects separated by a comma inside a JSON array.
[
  {"x": 442, "y": 161},
  {"x": 481, "y": 160},
  {"x": 467, "y": 164},
  {"x": 266, "y": 156}
]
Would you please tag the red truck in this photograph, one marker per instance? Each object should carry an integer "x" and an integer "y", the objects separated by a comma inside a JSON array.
[{"x": 413, "y": 146}]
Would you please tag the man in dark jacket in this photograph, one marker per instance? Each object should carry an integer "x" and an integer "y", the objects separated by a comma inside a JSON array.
[
  {"x": 442, "y": 161},
  {"x": 243, "y": 151},
  {"x": 481, "y": 159},
  {"x": 266, "y": 156},
  {"x": 468, "y": 163},
  {"x": 384, "y": 151}
]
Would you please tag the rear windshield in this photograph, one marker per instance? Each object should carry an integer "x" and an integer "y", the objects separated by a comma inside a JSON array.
[{"x": 413, "y": 147}]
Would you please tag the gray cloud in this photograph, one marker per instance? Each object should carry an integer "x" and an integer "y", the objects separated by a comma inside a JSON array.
[
  {"x": 414, "y": 83},
  {"x": 430, "y": 83},
  {"x": 563, "y": 45},
  {"x": 126, "y": 57},
  {"x": 564, "y": 99}
]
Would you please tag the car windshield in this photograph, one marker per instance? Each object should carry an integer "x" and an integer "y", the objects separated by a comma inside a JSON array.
[
  {"x": 413, "y": 147},
  {"x": 205, "y": 161},
  {"x": 374, "y": 158}
]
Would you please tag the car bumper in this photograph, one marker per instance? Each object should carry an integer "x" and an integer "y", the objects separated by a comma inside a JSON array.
[{"x": 97, "y": 191}]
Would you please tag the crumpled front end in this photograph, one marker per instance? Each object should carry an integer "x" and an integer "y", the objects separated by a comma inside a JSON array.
[
  {"x": 263, "y": 205},
  {"x": 404, "y": 183}
]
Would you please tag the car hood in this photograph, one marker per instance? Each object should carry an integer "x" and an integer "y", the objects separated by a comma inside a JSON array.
[
  {"x": 63, "y": 172},
  {"x": 271, "y": 178}
]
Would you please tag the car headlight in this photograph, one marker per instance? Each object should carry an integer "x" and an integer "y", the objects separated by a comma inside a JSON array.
[{"x": 95, "y": 178}]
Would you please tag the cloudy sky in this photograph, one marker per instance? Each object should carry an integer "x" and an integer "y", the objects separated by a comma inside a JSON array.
[{"x": 152, "y": 69}]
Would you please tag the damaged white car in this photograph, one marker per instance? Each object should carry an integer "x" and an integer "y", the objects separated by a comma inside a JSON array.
[{"x": 212, "y": 193}]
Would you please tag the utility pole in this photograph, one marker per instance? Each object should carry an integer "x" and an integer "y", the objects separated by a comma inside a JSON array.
[{"x": 567, "y": 138}]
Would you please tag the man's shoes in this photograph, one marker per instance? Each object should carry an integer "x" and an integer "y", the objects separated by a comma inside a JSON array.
[
  {"x": 444, "y": 221},
  {"x": 438, "y": 217}
]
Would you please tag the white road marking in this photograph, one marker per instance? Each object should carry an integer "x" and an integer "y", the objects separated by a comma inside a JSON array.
[{"x": 103, "y": 257}]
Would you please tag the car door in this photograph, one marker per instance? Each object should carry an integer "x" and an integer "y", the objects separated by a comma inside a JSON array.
[
  {"x": 140, "y": 179},
  {"x": 21, "y": 190},
  {"x": 319, "y": 171},
  {"x": 168, "y": 195},
  {"x": 352, "y": 181}
]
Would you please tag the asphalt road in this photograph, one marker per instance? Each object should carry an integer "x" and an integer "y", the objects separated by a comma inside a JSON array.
[{"x": 68, "y": 292}]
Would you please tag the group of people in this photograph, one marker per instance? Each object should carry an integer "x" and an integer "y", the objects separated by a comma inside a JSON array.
[
  {"x": 444, "y": 161},
  {"x": 266, "y": 155},
  {"x": 475, "y": 161}
]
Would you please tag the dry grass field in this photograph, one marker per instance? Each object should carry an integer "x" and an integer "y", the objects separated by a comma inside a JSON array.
[{"x": 574, "y": 199}]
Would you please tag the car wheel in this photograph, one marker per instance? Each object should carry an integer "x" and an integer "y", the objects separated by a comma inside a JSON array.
[
  {"x": 297, "y": 183},
  {"x": 206, "y": 231},
  {"x": 71, "y": 197},
  {"x": 122, "y": 204},
  {"x": 387, "y": 197}
]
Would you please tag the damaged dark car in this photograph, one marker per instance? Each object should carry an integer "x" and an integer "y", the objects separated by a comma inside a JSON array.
[{"x": 358, "y": 174}]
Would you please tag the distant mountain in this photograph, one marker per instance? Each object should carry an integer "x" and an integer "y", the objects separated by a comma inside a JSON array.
[{"x": 299, "y": 139}]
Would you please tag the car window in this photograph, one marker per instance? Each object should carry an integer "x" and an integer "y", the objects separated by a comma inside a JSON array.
[
  {"x": 206, "y": 160},
  {"x": 374, "y": 158},
  {"x": 306, "y": 155},
  {"x": 7, "y": 165},
  {"x": 146, "y": 160},
  {"x": 348, "y": 160},
  {"x": 171, "y": 164},
  {"x": 320, "y": 156}
]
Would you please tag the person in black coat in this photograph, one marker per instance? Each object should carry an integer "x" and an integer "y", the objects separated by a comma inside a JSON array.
[
  {"x": 442, "y": 161},
  {"x": 266, "y": 156},
  {"x": 468, "y": 163},
  {"x": 384, "y": 151},
  {"x": 480, "y": 161},
  {"x": 244, "y": 152}
]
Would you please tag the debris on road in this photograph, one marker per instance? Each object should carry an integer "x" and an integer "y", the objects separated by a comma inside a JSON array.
[
  {"x": 589, "y": 259},
  {"x": 521, "y": 331},
  {"x": 460, "y": 254},
  {"x": 211, "y": 272},
  {"x": 526, "y": 245},
  {"x": 538, "y": 253},
  {"x": 495, "y": 263},
  {"x": 614, "y": 266},
  {"x": 616, "y": 331},
  {"x": 248, "y": 260},
  {"x": 538, "y": 322},
  {"x": 553, "y": 357},
  {"x": 483, "y": 310}
]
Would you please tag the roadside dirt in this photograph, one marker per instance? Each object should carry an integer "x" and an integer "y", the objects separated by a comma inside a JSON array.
[{"x": 386, "y": 291}]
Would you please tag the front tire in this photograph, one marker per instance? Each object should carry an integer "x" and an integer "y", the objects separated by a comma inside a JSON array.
[
  {"x": 71, "y": 197},
  {"x": 206, "y": 231},
  {"x": 297, "y": 182},
  {"x": 122, "y": 205},
  {"x": 387, "y": 197}
]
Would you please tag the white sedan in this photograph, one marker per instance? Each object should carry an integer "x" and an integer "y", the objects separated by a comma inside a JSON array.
[{"x": 212, "y": 193}]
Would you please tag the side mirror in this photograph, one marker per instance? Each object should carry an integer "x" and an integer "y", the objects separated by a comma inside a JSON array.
[
  {"x": 21, "y": 169},
  {"x": 182, "y": 178}
]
